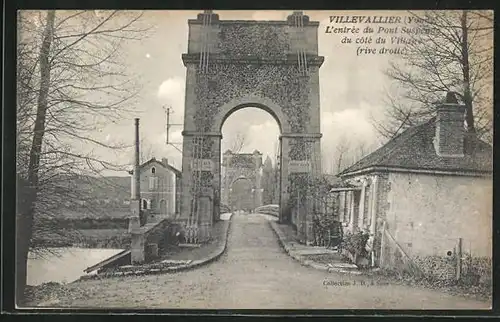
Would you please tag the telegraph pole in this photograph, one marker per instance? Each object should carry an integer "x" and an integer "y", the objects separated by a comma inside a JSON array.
[
  {"x": 168, "y": 111},
  {"x": 168, "y": 122}
]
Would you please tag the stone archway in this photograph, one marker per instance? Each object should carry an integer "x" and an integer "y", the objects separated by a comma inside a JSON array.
[
  {"x": 239, "y": 166},
  {"x": 229, "y": 67}
]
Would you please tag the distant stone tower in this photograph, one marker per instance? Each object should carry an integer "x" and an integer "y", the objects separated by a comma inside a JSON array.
[
  {"x": 268, "y": 182},
  {"x": 239, "y": 166}
]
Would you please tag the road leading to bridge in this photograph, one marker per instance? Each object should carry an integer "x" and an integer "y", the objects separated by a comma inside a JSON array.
[{"x": 255, "y": 273}]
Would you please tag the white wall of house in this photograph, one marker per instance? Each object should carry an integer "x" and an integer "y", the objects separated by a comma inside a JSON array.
[
  {"x": 158, "y": 188},
  {"x": 428, "y": 213}
]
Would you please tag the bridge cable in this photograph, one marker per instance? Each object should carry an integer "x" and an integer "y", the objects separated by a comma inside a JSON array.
[
  {"x": 297, "y": 39},
  {"x": 302, "y": 34}
]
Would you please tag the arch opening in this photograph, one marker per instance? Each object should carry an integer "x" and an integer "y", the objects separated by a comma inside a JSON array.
[
  {"x": 250, "y": 153},
  {"x": 257, "y": 106},
  {"x": 235, "y": 181},
  {"x": 242, "y": 195}
]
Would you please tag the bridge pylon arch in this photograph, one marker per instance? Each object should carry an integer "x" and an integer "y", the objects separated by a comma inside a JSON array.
[{"x": 233, "y": 64}]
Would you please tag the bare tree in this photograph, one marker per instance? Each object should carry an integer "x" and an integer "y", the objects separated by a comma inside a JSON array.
[
  {"x": 238, "y": 143},
  {"x": 347, "y": 152},
  {"x": 268, "y": 182},
  {"x": 146, "y": 150},
  {"x": 341, "y": 150},
  {"x": 71, "y": 80},
  {"x": 360, "y": 151},
  {"x": 453, "y": 53}
]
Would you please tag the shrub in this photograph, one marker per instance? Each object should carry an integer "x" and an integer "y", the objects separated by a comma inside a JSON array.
[
  {"x": 224, "y": 208},
  {"x": 476, "y": 270},
  {"x": 355, "y": 243}
]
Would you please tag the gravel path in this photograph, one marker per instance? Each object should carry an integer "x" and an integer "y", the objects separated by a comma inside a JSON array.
[{"x": 255, "y": 273}]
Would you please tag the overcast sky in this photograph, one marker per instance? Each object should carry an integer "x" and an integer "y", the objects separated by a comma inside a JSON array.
[{"x": 351, "y": 89}]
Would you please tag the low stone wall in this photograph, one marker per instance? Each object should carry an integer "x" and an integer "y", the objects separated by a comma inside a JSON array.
[
  {"x": 161, "y": 234},
  {"x": 269, "y": 212},
  {"x": 168, "y": 266},
  {"x": 149, "y": 241}
]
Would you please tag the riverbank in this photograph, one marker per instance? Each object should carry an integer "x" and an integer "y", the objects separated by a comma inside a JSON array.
[
  {"x": 85, "y": 238},
  {"x": 176, "y": 259}
]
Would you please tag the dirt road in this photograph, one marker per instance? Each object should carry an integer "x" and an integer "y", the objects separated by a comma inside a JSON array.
[{"x": 255, "y": 273}]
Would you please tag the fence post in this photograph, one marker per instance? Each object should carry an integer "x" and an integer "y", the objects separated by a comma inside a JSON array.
[
  {"x": 459, "y": 259},
  {"x": 381, "y": 262}
]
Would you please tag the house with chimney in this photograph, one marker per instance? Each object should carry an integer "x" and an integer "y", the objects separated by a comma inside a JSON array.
[
  {"x": 422, "y": 194},
  {"x": 159, "y": 189}
]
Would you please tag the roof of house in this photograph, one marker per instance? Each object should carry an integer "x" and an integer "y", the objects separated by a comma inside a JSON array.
[
  {"x": 154, "y": 160},
  {"x": 413, "y": 149}
]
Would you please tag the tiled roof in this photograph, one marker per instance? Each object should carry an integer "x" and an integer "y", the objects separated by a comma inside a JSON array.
[
  {"x": 413, "y": 149},
  {"x": 168, "y": 166}
]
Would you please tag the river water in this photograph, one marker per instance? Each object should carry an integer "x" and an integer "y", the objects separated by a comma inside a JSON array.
[{"x": 66, "y": 266}]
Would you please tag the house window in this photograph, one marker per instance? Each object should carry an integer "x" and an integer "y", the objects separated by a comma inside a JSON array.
[
  {"x": 144, "y": 204},
  {"x": 153, "y": 170},
  {"x": 153, "y": 183}
]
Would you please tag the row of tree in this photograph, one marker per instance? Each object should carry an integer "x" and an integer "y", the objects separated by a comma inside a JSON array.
[
  {"x": 347, "y": 152},
  {"x": 270, "y": 182}
]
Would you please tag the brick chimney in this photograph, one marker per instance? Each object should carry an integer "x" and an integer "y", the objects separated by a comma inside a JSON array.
[
  {"x": 164, "y": 161},
  {"x": 450, "y": 129}
]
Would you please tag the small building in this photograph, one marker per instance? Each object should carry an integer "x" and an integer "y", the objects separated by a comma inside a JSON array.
[
  {"x": 421, "y": 192},
  {"x": 160, "y": 188}
]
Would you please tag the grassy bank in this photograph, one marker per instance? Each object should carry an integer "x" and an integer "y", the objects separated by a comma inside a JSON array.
[
  {"x": 85, "y": 238},
  {"x": 87, "y": 223}
]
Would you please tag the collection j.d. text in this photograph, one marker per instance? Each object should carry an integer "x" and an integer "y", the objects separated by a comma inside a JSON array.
[{"x": 367, "y": 283}]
